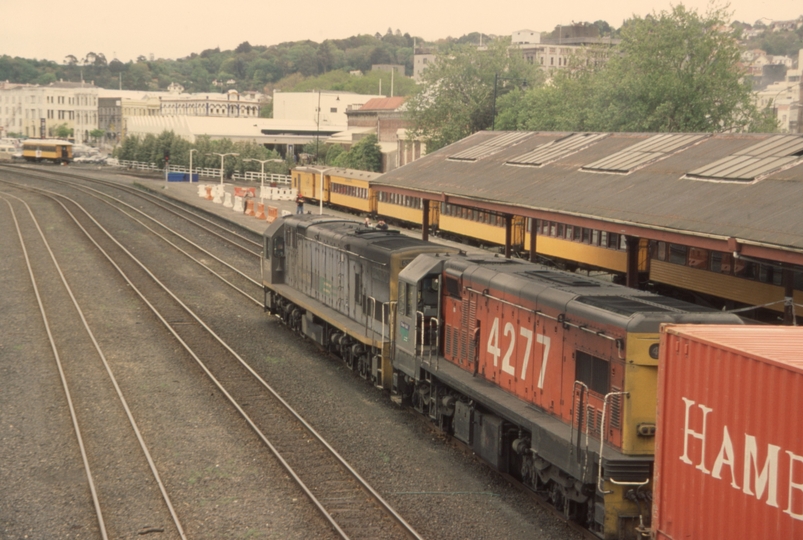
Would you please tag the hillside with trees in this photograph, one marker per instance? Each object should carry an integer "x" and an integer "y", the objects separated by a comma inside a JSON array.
[{"x": 291, "y": 66}]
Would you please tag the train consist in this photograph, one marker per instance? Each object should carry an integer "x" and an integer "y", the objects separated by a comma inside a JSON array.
[
  {"x": 693, "y": 274},
  {"x": 547, "y": 375},
  {"x": 52, "y": 150}
]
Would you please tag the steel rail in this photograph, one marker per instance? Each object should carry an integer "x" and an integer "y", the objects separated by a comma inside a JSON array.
[
  {"x": 408, "y": 530},
  {"x": 109, "y": 371}
]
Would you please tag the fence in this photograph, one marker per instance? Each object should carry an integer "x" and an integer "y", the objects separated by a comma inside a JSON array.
[{"x": 281, "y": 180}]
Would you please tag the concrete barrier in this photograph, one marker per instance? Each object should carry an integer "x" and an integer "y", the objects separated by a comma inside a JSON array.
[
  {"x": 201, "y": 190},
  {"x": 249, "y": 207},
  {"x": 260, "y": 214},
  {"x": 238, "y": 204},
  {"x": 277, "y": 193},
  {"x": 245, "y": 192},
  {"x": 217, "y": 194},
  {"x": 227, "y": 202},
  {"x": 273, "y": 213}
]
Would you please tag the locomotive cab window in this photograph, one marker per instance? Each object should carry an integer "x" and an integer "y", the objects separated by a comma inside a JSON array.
[
  {"x": 593, "y": 371},
  {"x": 278, "y": 247}
]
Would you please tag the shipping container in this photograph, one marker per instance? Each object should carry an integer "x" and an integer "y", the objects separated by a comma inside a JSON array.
[{"x": 729, "y": 441}]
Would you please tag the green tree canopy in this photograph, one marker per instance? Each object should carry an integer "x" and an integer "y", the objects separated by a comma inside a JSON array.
[
  {"x": 364, "y": 156},
  {"x": 456, "y": 98},
  {"x": 674, "y": 71}
]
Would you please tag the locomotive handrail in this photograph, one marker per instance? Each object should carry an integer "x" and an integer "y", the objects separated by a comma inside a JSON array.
[
  {"x": 437, "y": 323},
  {"x": 392, "y": 329},
  {"x": 417, "y": 313},
  {"x": 580, "y": 427},
  {"x": 602, "y": 441},
  {"x": 372, "y": 317}
]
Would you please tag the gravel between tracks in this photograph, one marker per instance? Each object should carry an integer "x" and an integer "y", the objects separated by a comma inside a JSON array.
[{"x": 226, "y": 484}]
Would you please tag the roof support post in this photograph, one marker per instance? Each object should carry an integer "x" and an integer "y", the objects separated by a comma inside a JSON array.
[
  {"x": 789, "y": 294},
  {"x": 508, "y": 234},
  {"x": 632, "y": 261},
  {"x": 425, "y": 220},
  {"x": 533, "y": 237}
]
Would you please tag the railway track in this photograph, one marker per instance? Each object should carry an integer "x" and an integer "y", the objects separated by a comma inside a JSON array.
[
  {"x": 352, "y": 507},
  {"x": 73, "y": 343}
]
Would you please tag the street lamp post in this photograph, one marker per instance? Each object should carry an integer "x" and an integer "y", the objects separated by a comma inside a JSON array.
[
  {"x": 191, "y": 151},
  {"x": 262, "y": 162},
  {"x": 320, "y": 188},
  {"x": 222, "y": 157}
]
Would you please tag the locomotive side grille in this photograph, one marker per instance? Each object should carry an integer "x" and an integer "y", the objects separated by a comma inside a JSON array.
[
  {"x": 447, "y": 347},
  {"x": 472, "y": 324},
  {"x": 598, "y": 425},
  {"x": 464, "y": 329},
  {"x": 591, "y": 419},
  {"x": 616, "y": 410},
  {"x": 455, "y": 337}
]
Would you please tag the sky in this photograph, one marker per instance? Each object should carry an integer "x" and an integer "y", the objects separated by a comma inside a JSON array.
[{"x": 50, "y": 30}]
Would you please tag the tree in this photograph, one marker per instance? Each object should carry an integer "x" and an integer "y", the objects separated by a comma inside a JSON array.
[
  {"x": 456, "y": 98},
  {"x": 61, "y": 131},
  {"x": 97, "y": 134},
  {"x": 674, "y": 71},
  {"x": 364, "y": 156}
]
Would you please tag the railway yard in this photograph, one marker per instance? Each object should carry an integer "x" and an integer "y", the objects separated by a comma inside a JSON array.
[{"x": 147, "y": 394}]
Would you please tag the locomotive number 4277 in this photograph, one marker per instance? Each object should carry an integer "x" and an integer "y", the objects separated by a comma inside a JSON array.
[{"x": 509, "y": 334}]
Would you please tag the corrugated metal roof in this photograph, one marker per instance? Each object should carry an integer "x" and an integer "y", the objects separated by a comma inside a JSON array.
[
  {"x": 656, "y": 195},
  {"x": 640, "y": 154},
  {"x": 548, "y": 152},
  {"x": 388, "y": 103},
  {"x": 750, "y": 163}
]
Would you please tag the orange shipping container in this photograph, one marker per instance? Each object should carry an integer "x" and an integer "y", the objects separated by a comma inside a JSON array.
[{"x": 729, "y": 457}]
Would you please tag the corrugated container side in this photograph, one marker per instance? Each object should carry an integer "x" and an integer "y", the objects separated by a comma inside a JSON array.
[{"x": 729, "y": 441}]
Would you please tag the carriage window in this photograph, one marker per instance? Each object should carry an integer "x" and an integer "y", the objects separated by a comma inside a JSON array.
[
  {"x": 745, "y": 269},
  {"x": 569, "y": 232},
  {"x": 586, "y": 236},
  {"x": 698, "y": 258},
  {"x": 578, "y": 234},
  {"x": 592, "y": 371},
  {"x": 594, "y": 237},
  {"x": 677, "y": 254},
  {"x": 603, "y": 239},
  {"x": 613, "y": 240},
  {"x": 715, "y": 264}
]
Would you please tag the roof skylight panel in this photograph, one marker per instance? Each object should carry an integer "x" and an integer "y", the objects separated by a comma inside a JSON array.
[
  {"x": 557, "y": 149},
  {"x": 750, "y": 163},
  {"x": 490, "y": 146},
  {"x": 643, "y": 153}
]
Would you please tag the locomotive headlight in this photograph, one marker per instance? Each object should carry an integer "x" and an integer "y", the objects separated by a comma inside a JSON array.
[
  {"x": 646, "y": 430},
  {"x": 654, "y": 349}
]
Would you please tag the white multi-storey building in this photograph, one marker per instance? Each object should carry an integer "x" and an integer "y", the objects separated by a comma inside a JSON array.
[{"x": 36, "y": 111}]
